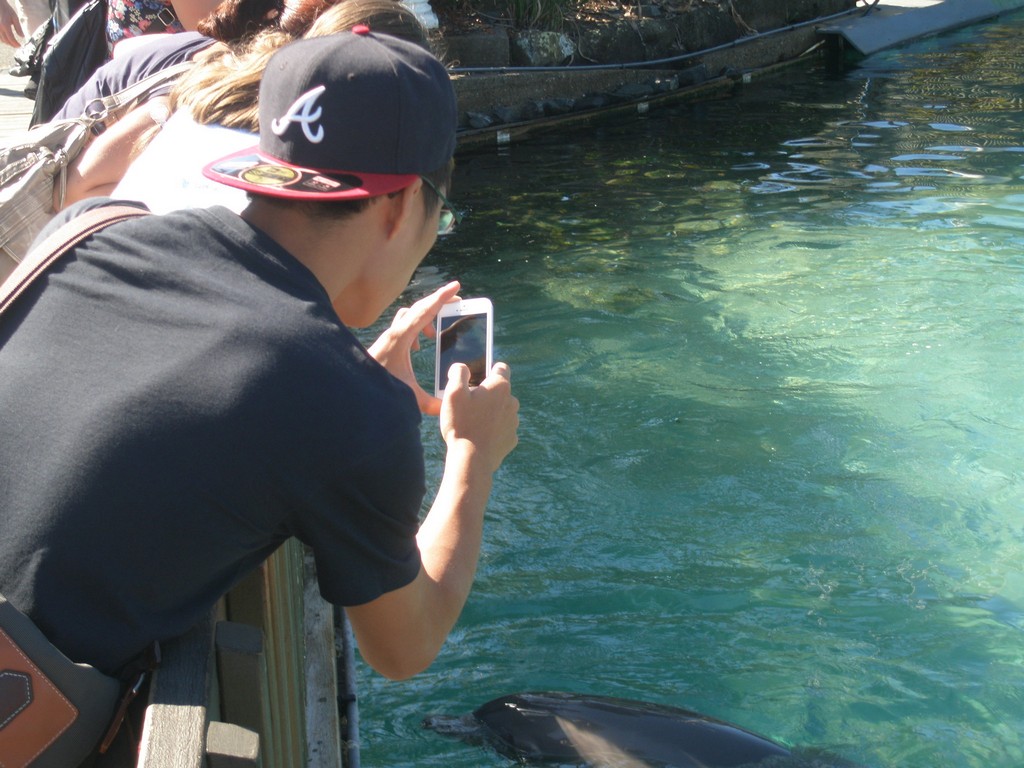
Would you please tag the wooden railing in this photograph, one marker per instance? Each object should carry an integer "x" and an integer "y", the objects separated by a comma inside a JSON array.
[{"x": 257, "y": 682}]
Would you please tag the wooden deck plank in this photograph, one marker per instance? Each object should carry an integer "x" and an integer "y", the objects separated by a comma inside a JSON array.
[{"x": 15, "y": 107}]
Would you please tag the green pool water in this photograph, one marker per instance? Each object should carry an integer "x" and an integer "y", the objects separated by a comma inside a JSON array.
[{"x": 769, "y": 350}]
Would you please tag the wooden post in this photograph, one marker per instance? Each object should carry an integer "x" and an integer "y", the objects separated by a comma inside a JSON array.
[
  {"x": 271, "y": 598},
  {"x": 242, "y": 674},
  {"x": 283, "y": 635},
  {"x": 174, "y": 730},
  {"x": 275, "y": 686},
  {"x": 231, "y": 746},
  {"x": 323, "y": 729},
  {"x": 348, "y": 700}
]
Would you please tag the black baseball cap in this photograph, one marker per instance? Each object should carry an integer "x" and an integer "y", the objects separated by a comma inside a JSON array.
[{"x": 346, "y": 116}]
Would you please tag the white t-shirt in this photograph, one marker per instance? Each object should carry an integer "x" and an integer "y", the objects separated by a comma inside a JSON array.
[{"x": 168, "y": 175}]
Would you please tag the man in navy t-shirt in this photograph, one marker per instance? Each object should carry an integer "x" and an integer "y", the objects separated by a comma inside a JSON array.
[{"x": 181, "y": 393}]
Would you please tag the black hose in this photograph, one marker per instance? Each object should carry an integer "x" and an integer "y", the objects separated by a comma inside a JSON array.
[{"x": 653, "y": 62}]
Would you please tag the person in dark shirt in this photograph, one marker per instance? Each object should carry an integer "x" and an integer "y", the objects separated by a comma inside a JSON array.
[{"x": 182, "y": 393}]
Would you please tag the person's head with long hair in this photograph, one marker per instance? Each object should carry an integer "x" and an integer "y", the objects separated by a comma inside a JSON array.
[
  {"x": 385, "y": 17},
  {"x": 223, "y": 87},
  {"x": 236, "y": 20}
]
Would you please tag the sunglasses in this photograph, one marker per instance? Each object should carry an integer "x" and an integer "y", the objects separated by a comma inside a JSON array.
[{"x": 449, "y": 215}]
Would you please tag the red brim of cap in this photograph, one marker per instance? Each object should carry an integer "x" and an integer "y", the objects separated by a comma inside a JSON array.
[{"x": 261, "y": 174}]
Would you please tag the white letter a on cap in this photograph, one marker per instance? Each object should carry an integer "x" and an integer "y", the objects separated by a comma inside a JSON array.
[{"x": 303, "y": 111}]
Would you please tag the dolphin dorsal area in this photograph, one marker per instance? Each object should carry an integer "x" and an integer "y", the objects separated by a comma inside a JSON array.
[{"x": 605, "y": 731}]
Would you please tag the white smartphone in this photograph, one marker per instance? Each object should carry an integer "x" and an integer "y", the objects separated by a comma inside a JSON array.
[{"x": 465, "y": 334}]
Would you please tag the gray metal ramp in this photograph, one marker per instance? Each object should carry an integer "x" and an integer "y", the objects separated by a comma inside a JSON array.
[{"x": 894, "y": 22}]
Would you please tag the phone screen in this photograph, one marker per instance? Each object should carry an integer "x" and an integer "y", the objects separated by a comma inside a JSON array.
[{"x": 463, "y": 339}]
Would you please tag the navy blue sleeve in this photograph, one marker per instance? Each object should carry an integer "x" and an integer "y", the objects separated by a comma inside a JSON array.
[{"x": 123, "y": 71}]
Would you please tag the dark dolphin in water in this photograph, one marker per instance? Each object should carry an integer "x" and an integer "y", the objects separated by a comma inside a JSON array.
[{"x": 605, "y": 732}]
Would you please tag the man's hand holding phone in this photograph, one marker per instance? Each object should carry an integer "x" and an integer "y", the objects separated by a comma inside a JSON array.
[
  {"x": 464, "y": 332},
  {"x": 478, "y": 409},
  {"x": 484, "y": 418},
  {"x": 394, "y": 348}
]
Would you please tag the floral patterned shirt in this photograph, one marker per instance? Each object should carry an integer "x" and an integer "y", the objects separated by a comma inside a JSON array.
[{"x": 131, "y": 18}]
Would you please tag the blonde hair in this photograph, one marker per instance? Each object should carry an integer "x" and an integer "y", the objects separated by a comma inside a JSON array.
[{"x": 223, "y": 86}]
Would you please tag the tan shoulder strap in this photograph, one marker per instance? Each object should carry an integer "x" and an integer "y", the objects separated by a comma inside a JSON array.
[{"x": 57, "y": 244}]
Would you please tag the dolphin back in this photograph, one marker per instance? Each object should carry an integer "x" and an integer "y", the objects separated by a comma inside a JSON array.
[{"x": 605, "y": 731}]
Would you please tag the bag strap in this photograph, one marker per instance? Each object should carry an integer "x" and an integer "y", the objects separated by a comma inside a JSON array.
[
  {"x": 107, "y": 110},
  {"x": 143, "y": 666},
  {"x": 57, "y": 244}
]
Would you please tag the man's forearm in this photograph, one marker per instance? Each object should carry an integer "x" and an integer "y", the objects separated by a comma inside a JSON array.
[
  {"x": 401, "y": 633},
  {"x": 450, "y": 536}
]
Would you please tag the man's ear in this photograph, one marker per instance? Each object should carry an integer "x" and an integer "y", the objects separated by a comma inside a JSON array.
[{"x": 399, "y": 207}]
